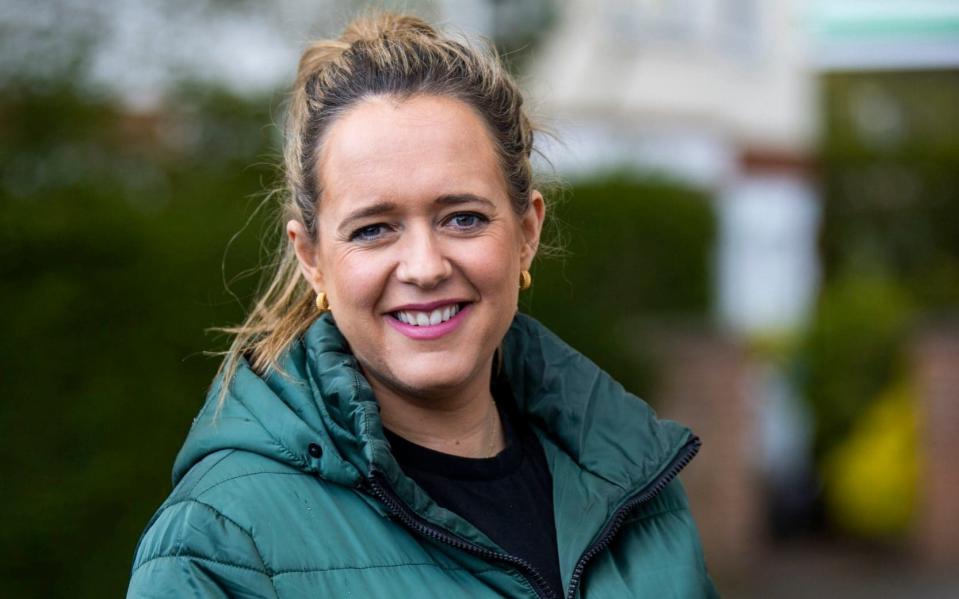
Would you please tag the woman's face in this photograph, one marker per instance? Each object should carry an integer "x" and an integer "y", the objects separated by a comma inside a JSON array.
[{"x": 419, "y": 250}]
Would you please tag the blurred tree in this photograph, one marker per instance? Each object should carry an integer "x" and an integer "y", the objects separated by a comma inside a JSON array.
[
  {"x": 114, "y": 227},
  {"x": 890, "y": 171},
  {"x": 852, "y": 351},
  {"x": 890, "y": 175}
]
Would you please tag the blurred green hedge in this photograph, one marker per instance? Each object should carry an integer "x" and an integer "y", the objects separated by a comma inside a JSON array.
[
  {"x": 638, "y": 253},
  {"x": 115, "y": 228}
]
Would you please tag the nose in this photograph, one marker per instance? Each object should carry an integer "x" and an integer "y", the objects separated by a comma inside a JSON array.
[{"x": 422, "y": 262}]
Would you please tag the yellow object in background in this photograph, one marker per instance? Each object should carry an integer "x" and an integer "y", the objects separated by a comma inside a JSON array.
[{"x": 871, "y": 477}]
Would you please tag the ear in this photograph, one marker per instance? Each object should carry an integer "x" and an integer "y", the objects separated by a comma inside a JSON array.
[
  {"x": 532, "y": 225},
  {"x": 306, "y": 254}
]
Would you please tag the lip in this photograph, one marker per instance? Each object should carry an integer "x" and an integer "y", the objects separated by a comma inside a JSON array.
[{"x": 429, "y": 332}]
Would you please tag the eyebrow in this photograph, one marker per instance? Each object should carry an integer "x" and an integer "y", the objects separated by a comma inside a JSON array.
[
  {"x": 454, "y": 199},
  {"x": 450, "y": 199}
]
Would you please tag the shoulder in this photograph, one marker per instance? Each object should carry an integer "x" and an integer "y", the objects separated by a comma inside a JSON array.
[
  {"x": 224, "y": 476},
  {"x": 657, "y": 549},
  {"x": 196, "y": 543},
  {"x": 668, "y": 516},
  {"x": 246, "y": 511},
  {"x": 232, "y": 508},
  {"x": 666, "y": 522},
  {"x": 200, "y": 505}
]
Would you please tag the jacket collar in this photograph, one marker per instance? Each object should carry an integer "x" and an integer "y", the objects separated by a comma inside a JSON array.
[{"x": 322, "y": 399}]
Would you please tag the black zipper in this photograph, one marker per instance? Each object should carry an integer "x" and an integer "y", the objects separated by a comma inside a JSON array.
[
  {"x": 685, "y": 455},
  {"x": 381, "y": 489}
]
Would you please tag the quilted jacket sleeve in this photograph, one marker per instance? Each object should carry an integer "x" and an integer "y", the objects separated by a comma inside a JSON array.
[{"x": 193, "y": 550}]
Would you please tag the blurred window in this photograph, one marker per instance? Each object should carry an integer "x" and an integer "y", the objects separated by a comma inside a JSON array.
[{"x": 738, "y": 27}]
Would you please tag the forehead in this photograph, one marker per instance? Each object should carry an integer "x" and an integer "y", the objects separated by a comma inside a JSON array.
[{"x": 420, "y": 148}]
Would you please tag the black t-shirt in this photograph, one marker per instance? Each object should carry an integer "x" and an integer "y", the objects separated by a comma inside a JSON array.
[{"x": 509, "y": 496}]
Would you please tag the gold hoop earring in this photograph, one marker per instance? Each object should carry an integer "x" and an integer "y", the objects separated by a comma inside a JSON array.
[
  {"x": 525, "y": 280},
  {"x": 322, "y": 304}
]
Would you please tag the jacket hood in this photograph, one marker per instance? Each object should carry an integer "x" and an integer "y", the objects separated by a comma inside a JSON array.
[{"x": 322, "y": 399}]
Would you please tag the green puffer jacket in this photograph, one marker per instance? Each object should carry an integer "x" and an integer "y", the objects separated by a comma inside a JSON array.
[{"x": 293, "y": 492}]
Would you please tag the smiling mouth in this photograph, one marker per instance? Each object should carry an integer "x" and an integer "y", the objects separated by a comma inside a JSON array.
[{"x": 428, "y": 318}]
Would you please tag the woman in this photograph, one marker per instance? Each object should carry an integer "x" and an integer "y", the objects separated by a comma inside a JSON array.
[{"x": 386, "y": 424}]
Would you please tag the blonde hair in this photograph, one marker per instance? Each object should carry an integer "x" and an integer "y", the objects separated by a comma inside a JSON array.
[{"x": 382, "y": 54}]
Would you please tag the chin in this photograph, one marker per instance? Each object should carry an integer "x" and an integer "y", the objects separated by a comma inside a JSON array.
[
  {"x": 428, "y": 382},
  {"x": 433, "y": 376}
]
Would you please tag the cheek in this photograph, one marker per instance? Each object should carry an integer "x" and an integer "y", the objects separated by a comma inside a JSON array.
[
  {"x": 495, "y": 266},
  {"x": 356, "y": 279}
]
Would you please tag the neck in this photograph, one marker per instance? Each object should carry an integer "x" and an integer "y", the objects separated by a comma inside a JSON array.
[{"x": 465, "y": 423}]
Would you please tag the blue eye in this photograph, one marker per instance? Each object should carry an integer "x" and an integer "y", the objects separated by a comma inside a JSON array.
[
  {"x": 467, "y": 220},
  {"x": 368, "y": 233}
]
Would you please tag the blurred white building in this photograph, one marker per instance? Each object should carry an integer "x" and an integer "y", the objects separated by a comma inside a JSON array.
[
  {"x": 723, "y": 94},
  {"x": 716, "y": 93}
]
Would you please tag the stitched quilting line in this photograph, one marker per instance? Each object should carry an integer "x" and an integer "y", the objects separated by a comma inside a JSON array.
[
  {"x": 662, "y": 512},
  {"x": 185, "y": 492},
  {"x": 247, "y": 474},
  {"x": 204, "y": 558},
  {"x": 382, "y": 567},
  {"x": 293, "y": 457},
  {"x": 201, "y": 558},
  {"x": 270, "y": 572},
  {"x": 228, "y": 519},
  {"x": 200, "y": 478},
  {"x": 256, "y": 548}
]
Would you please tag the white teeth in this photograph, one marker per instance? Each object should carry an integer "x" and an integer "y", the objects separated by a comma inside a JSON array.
[{"x": 424, "y": 319}]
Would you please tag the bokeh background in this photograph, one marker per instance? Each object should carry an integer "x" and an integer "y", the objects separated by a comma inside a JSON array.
[{"x": 758, "y": 204}]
